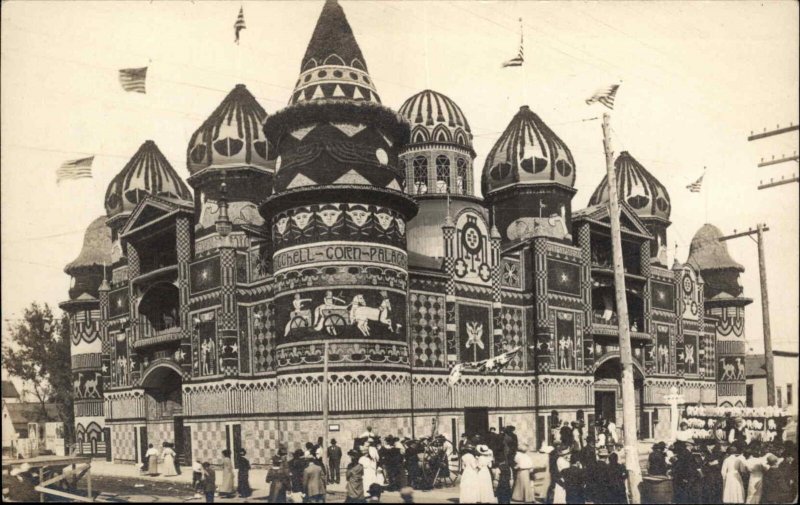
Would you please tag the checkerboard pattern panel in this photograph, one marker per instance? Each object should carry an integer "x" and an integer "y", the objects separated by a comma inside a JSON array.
[
  {"x": 263, "y": 337},
  {"x": 208, "y": 441},
  {"x": 158, "y": 433},
  {"x": 123, "y": 442},
  {"x": 512, "y": 330},
  {"x": 427, "y": 314}
]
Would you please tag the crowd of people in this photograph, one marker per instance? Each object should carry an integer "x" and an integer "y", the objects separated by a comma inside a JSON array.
[{"x": 753, "y": 472}]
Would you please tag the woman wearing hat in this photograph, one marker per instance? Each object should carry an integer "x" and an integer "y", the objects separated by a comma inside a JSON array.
[
  {"x": 468, "y": 490},
  {"x": 278, "y": 480},
  {"x": 485, "y": 488},
  {"x": 523, "y": 468},
  {"x": 370, "y": 466},
  {"x": 562, "y": 463},
  {"x": 757, "y": 465},
  {"x": 243, "y": 483},
  {"x": 355, "y": 479},
  {"x": 226, "y": 487},
  {"x": 732, "y": 470}
]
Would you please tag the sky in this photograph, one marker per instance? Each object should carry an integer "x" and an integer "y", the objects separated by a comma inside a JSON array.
[{"x": 697, "y": 78}]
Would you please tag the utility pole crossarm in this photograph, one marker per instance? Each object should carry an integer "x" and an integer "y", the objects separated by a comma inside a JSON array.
[
  {"x": 750, "y": 231},
  {"x": 772, "y": 183},
  {"x": 773, "y": 161},
  {"x": 777, "y": 131}
]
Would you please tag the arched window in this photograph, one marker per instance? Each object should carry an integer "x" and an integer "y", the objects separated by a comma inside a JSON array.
[
  {"x": 461, "y": 176},
  {"x": 420, "y": 165},
  {"x": 442, "y": 174}
]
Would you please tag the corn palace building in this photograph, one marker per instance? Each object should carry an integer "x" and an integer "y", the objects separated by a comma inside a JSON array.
[{"x": 200, "y": 310}]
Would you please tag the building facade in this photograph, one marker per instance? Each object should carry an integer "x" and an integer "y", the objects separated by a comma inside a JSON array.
[{"x": 337, "y": 234}]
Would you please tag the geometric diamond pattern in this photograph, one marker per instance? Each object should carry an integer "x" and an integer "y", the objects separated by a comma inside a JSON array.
[
  {"x": 512, "y": 335},
  {"x": 427, "y": 324},
  {"x": 263, "y": 338}
]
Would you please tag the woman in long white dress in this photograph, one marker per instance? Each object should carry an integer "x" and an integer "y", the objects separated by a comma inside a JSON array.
[
  {"x": 152, "y": 460},
  {"x": 468, "y": 490},
  {"x": 732, "y": 470},
  {"x": 168, "y": 455},
  {"x": 757, "y": 465},
  {"x": 562, "y": 463},
  {"x": 370, "y": 469},
  {"x": 485, "y": 488}
]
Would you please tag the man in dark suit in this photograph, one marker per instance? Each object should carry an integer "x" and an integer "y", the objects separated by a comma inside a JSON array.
[{"x": 334, "y": 462}]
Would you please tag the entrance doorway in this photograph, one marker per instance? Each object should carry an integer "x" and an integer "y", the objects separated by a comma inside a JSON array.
[
  {"x": 476, "y": 421},
  {"x": 608, "y": 394},
  {"x": 605, "y": 405},
  {"x": 164, "y": 403}
]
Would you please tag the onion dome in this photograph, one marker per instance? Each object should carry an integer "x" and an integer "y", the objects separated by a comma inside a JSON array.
[
  {"x": 232, "y": 136},
  {"x": 147, "y": 172},
  {"x": 96, "y": 250},
  {"x": 333, "y": 66},
  {"x": 707, "y": 252},
  {"x": 637, "y": 187},
  {"x": 709, "y": 256},
  {"x": 436, "y": 118},
  {"x": 528, "y": 152}
]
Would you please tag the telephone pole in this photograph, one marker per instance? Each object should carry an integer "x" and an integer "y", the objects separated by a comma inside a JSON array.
[
  {"x": 762, "y": 270},
  {"x": 629, "y": 423}
]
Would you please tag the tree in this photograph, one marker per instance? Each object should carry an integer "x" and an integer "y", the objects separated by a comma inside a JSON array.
[{"x": 39, "y": 354}]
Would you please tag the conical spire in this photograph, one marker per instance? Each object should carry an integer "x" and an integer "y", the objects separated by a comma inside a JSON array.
[
  {"x": 333, "y": 36},
  {"x": 333, "y": 66}
]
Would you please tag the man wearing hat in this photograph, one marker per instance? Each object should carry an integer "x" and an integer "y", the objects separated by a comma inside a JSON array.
[
  {"x": 657, "y": 460},
  {"x": 20, "y": 486}
]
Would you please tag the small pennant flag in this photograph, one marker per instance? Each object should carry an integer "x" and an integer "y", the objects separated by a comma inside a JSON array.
[
  {"x": 133, "y": 79},
  {"x": 519, "y": 59},
  {"x": 75, "y": 169},
  {"x": 498, "y": 362},
  {"x": 455, "y": 374},
  {"x": 697, "y": 185},
  {"x": 605, "y": 96},
  {"x": 239, "y": 24}
]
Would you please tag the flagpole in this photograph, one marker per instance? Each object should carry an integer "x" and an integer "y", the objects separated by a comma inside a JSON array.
[
  {"x": 524, "y": 90},
  {"x": 705, "y": 193}
]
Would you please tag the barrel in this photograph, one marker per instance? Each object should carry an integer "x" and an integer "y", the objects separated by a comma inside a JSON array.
[{"x": 656, "y": 489}]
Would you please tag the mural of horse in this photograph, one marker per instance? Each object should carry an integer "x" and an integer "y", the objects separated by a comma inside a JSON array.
[{"x": 361, "y": 314}]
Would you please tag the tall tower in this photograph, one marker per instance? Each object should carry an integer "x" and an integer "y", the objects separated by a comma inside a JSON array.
[
  {"x": 528, "y": 178},
  {"x": 646, "y": 195},
  {"x": 725, "y": 303},
  {"x": 338, "y": 218},
  {"x": 83, "y": 311}
]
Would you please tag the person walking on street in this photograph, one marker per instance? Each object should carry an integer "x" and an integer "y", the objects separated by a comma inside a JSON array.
[
  {"x": 712, "y": 475},
  {"x": 314, "y": 482},
  {"x": 657, "y": 460},
  {"x": 209, "y": 482},
  {"x": 355, "y": 479},
  {"x": 617, "y": 475},
  {"x": 226, "y": 487},
  {"x": 334, "y": 462},
  {"x": 243, "y": 487},
  {"x": 168, "y": 456},
  {"x": 296, "y": 468},
  {"x": 523, "y": 468},
  {"x": 468, "y": 487},
  {"x": 733, "y": 468},
  {"x": 278, "y": 480},
  {"x": 152, "y": 460}
]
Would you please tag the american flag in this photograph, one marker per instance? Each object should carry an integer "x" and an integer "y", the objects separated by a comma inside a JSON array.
[
  {"x": 133, "y": 79},
  {"x": 605, "y": 96},
  {"x": 696, "y": 185},
  {"x": 239, "y": 24},
  {"x": 75, "y": 169},
  {"x": 519, "y": 59}
]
